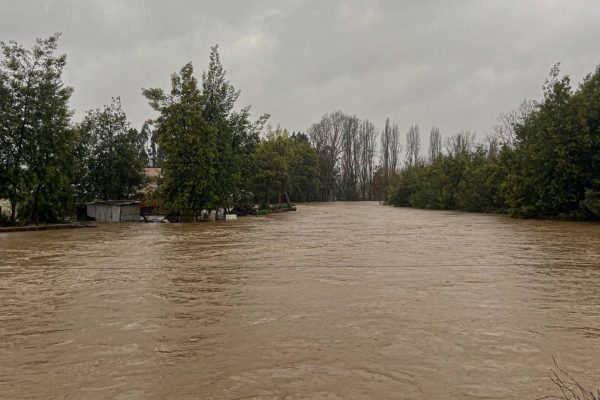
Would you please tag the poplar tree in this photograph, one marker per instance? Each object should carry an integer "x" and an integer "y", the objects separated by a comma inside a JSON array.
[
  {"x": 413, "y": 146},
  {"x": 435, "y": 144}
]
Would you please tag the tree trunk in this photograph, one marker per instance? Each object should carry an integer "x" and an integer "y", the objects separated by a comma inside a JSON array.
[
  {"x": 13, "y": 212},
  {"x": 33, "y": 217}
]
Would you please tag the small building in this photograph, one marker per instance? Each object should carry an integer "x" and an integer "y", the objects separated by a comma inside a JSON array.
[{"x": 114, "y": 210}]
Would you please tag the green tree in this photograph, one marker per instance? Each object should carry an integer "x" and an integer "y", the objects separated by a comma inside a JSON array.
[
  {"x": 111, "y": 155},
  {"x": 558, "y": 156},
  {"x": 154, "y": 152},
  {"x": 303, "y": 170},
  {"x": 467, "y": 180},
  {"x": 189, "y": 145},
  {"x": 36, "y": 143},
  {"x": 286, "y": 168},
  {"x": 479, "y": 187},
  {"x": 236, "y": 136},
  {"x": 384, "y": 181},
  {"x": 272, "y": 177}
]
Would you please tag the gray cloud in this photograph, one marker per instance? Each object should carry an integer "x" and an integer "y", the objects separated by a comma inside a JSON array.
[{"x": 455, "y": 64}]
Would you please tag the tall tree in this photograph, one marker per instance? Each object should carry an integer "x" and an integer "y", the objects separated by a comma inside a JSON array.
[
  {"x": 395, "y": 149},
  {"x": 435, "y": 144},
  {"x": 152, "y": 147},
  {"x": 386, "y": 138},
  {"x": 366, "y": 168},
  {"x": 346, "y": 148},
  {"x": 348, "y": 187},
  {"x": 36, "y": 142},
  {"x": 273, "y": 158},
  {"x": 413, "y": 146},
  {"x": 219, "y": 99},
  {"x": 112, "y": 155},
  {"x": 189, "y": 145},
  {"x": 461, "y": 143},
  {"x": 326, "y": 136},
  {"x": 554, "y": 169},
  {"x": 390, "y": 154},
  {"x": 236, "y": 136},
  {"x": 304, "y": 170},
  {"x": 286, "y": 169},
  {"x": 505, "y": 127}
]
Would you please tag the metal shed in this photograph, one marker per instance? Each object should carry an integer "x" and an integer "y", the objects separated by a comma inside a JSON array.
[{"x": 114, "y": 210}]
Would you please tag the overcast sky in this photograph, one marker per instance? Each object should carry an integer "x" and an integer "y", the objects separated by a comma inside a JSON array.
[{"x": 455, "y": 64}]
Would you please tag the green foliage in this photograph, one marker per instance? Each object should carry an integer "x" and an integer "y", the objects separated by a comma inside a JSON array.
[
  {"x": 189, "y": 145},
  {"x": 205, "y": 148},
  {"x": 558, "y": 157},
  {"x": 468, "y": 180},
  {"x": 285, "y": 166},
  {"x": 154, "y": 153},
  {"x": 36, "y": 143},
  {"x": 111, "y": 156},
  {"x": 236, "y": 136},
  {"x": 384, "y": 182},
  {"x": 211, "y": 154},
  {"x": 303, "y": 170},
  {"x": 551, "y": 171},
  {"x": 591, "y": 202},
  {"x": 272, "y": 158}
]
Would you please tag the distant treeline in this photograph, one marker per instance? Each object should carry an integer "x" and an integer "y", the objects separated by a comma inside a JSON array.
[{"x": 541, "y": 161}]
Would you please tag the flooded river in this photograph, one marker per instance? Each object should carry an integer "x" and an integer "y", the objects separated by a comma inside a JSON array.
[{"x": 335, "y": 301}]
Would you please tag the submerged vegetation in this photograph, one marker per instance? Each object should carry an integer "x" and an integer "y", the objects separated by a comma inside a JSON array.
[
  {"x": 569, "y": 387},
  {"x": 542, "y": 161}
]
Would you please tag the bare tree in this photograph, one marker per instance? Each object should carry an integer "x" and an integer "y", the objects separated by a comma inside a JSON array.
[
  {"x": 367, "y": 137},
  {"x": 435, "y": 144},
  {"x": 569, "y": 387},
  {"x": 413, "y": 145},
  {"x": 346, "y": 148},
  {"x": 461, "y": 143},
  {"x": 395, "y": 148},
  {"x": 492, "y": 145},
  {"x": 507, "y": 123},
  {"x": 349, "y": 184},
  {"x": 386, "y": 138},
  {"x": 326, "y": 136}
]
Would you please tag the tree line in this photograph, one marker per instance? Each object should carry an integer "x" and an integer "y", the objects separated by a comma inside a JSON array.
[
  {"x": 48, "y": 163},
  {"x": 542, "y": 160},
  {"x": 212, "y": 155}
]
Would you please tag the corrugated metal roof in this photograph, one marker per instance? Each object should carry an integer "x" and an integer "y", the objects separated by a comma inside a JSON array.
[{"x": 116, "y": 202}]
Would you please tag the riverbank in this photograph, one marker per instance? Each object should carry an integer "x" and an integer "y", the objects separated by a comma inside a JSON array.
[
  {"x": 30, "y": 228},
  {"x": 559, "y": 218},
  {"x": 271, "y": 209}
]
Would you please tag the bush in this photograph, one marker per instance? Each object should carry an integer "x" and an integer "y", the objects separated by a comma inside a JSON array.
[{"x": 591, "y": 202}]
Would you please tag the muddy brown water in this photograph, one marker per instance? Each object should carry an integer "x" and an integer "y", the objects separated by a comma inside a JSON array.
[{"x": 335, "y": 301}]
